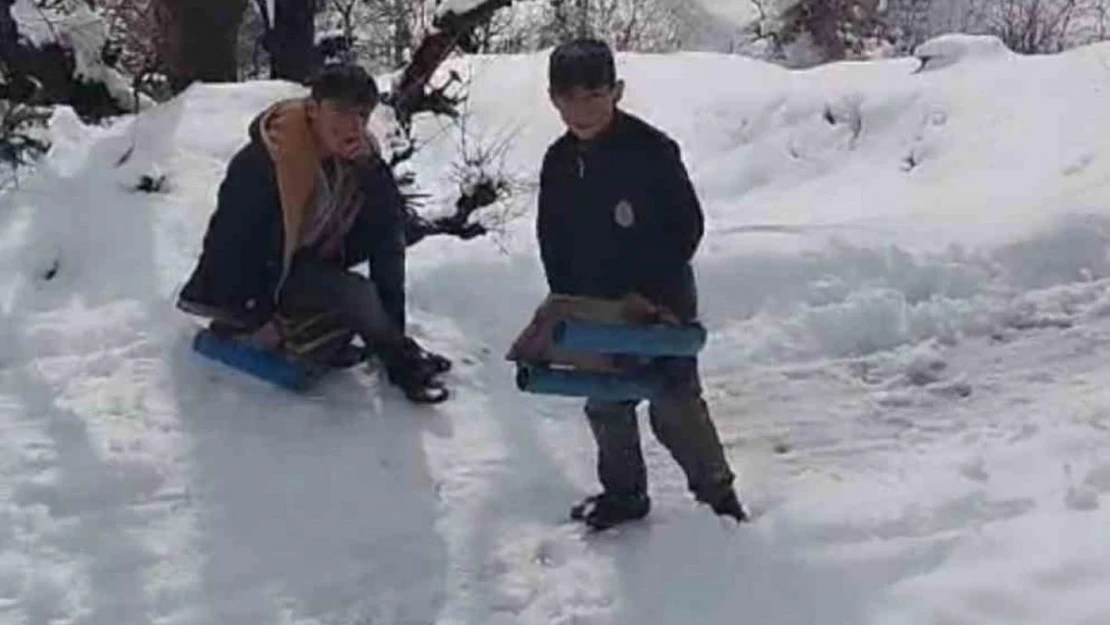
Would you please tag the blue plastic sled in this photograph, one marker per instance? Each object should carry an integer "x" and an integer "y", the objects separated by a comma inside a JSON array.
[
  {"x": 576, "y": 383},
  {"x": 258, "y": 362},
  {"x": 601, "y": 338}
]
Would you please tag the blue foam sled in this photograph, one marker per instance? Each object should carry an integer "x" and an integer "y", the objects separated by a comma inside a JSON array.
[
  {"x": 601, "y": 338},
  {"x": 575, "y": 383},
  {"x": 252, "y": 360}
]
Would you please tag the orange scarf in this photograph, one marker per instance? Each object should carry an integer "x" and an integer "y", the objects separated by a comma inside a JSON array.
[{"x": 288, "y": 137}]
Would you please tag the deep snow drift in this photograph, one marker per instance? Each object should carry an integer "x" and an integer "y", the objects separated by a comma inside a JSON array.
[{"x": 907, "y": 279}]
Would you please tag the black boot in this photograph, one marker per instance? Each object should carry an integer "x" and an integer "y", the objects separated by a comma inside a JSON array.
[
  {"x": 606, "y": 510},
  {"x": 406, "y": 370},
  {"x": 347, "y": 357},
  {"x": 436, "y": 363},
  {"x": 730, "y": 506},
  {"x": 432, "y": 363}
]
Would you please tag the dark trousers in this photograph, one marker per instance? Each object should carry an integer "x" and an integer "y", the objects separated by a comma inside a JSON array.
[
  {"x": 314, "y": 286},
  {"x": 680, "y": 421}
]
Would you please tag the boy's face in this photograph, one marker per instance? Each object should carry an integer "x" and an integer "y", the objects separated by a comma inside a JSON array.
[
  {"x": 340, "y": 128},
  {"x": 587, "y": 111}
]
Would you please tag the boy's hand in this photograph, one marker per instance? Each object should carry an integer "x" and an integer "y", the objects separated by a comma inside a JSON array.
[
  {"x": 639, "y": 309},
  {"x": 357, "y": 147},
  {"x": 267, "y": 337}
]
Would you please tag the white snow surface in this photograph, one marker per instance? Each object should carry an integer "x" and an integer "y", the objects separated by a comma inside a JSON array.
[
  {"x": 457, "y": 7},
  {"x": 906, "y": 279}
]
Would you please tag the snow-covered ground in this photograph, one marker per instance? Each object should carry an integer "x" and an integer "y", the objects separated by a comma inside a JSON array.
[{"x": 907, "y": 280}]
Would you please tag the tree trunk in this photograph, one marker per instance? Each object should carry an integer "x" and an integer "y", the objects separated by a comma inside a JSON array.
[
  {"x": 410, "y": 96},
  {"x": 583, "y": 30},
  {"x": 11, "y": 55},
  {"x": 402, "y": 32},
  {"x": 823, "y": 22},
  {"x": 291, "y": 42},
  {"x": 198, "y": 40}
]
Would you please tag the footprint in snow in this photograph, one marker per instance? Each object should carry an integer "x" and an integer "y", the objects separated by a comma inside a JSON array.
[
  {"x": 1081, "y": 498},
  {"x": 974, "y": 470},
  {"x": 1099, "y": 478}
]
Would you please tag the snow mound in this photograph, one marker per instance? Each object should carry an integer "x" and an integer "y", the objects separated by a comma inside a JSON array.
[{"x": 947, "y": 50}]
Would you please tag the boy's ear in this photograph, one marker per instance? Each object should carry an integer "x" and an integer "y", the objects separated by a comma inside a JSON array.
[{"x": 618, "y": 91}]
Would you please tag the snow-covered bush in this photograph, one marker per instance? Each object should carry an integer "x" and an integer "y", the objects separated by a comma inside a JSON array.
[
  {"x": 805, "y": 33},
  {"x": 67, "y": 52},
  {"x": 22, "y": 137},
  {"x": 1025, "y": 26}
]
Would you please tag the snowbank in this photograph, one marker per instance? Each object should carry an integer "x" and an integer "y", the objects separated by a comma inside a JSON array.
[
  {"x": 906, "y": 276},
  {"x": 852, "y": 207}
]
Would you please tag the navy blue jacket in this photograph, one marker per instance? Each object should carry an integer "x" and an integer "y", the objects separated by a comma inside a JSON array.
[
  {"x": 619, "y": 215},
  {"x": 240, "y": 267}
]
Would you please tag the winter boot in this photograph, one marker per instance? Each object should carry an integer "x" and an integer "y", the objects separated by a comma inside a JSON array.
[
  {"x": 347, "y": 357},
  {"x": 605, "y": 510},
  {"x": 406, "y": 370},
  {"x": 436, "y": 363},
  {"x": 730, "y": 506},
  {"x": 432, "y": 363},
  {"x": 418, "y": 389}
]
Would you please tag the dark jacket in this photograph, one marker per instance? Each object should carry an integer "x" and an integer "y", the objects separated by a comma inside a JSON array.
[
  {"x": 620, "y": 215},
  {"x": 244, "y": 257}
]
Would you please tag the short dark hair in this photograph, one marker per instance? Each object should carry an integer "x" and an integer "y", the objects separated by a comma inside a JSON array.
[
  {"x": 586, "y": 63},
  {"x": 346, "y": 84}
]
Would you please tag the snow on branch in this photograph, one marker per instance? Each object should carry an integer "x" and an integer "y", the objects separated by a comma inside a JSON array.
[
  {"x": 458, "y": 8},
  {"x": 73, "y": 36}
]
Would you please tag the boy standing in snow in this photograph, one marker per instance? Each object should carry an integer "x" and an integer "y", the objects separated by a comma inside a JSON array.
[
  {"x": 618, "y": 217},
  {"x": 307, "y": 199}
]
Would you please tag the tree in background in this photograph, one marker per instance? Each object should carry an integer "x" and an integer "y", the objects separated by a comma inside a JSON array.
[
  {"x": 53, "y": 52},
  {"x": 627, "y": 25},
  {"x": 412, "y": 94},
  {"x": 198, "y": 39},
  {"x": 1042, "y": 26},
  {"x": 289, "y": 38},
  {"x": 807, "y": 33},
  {"x": 381, "y": 34},
  {"x": 58, "y": 52}
]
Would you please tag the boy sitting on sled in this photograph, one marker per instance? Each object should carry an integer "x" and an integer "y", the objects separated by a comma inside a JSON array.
[
  {"x": 618, "y": 225},
  {"x": 305, "y": 201}
]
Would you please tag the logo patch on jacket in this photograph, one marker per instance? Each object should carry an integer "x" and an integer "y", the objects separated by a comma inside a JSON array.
[{"x": 624, "y": 215}]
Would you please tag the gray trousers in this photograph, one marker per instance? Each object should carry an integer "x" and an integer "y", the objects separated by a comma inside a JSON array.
[
  {"x": 314, "y": 286},
  {"x": 680, "y": 421}
]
